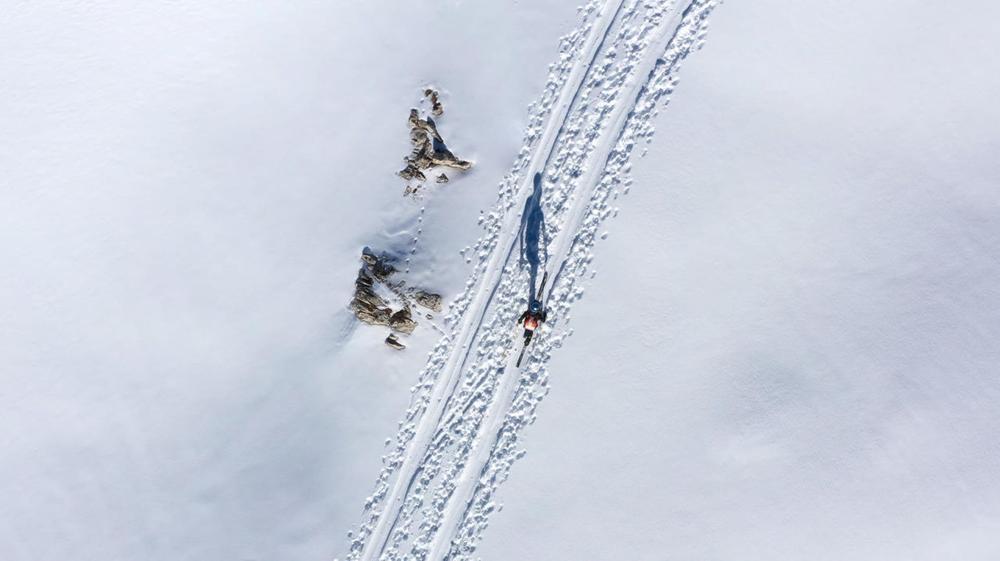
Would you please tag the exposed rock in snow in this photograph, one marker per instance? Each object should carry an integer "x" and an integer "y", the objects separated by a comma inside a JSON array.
[
  {"x": 428, "y": 300},
  {"x": 380, "y": 267},
  {"x": 429, "y": 148},
  {"x": 402, "y": 321},
  {"x": 394, "y": 342},
  {"x": 366, "y": 308},
  {"x": 375, "y": 296},
  {"x": 436, "y": 108},
  {"x": 411, "y": 172}
]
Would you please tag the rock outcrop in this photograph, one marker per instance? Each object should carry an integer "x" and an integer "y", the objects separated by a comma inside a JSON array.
[
  {"x": 381, "y": 267},
  {"x": 376, "y": 295},
  {"x": 395, "y": 343},
  {"x": 368, "y": 306},
  {"x": 428, "y": 300},
  {"x": 436, "y": 108},
  {"x": 429, "y": 149},
  {"x": 402, "y": 321}
]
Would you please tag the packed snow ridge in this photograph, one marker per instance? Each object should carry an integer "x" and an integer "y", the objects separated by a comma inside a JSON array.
[{"x": 460, "y": 434}]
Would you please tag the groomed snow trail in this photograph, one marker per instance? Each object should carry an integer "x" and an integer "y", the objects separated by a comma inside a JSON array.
[{"x": 459, "y": 436}]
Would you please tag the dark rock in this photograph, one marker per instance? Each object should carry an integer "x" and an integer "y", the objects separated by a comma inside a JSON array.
[
  {"x": 364, "y": 280},
  {"x": 367, "y": 299},
  {"x": 368, "y": 306},
  {"x": 371, "y": 308},
  {"x": 436, "y": 108},
  {"x": 428, "y": 300},
  {"x": 429, "y": 149},
  {"x": 416, "y": 123},
  {"x": 402, "y": 321},
  {"x": 371, "y": 314},
  {"x": 411, "y": 172},
  {"x": 380, "y": 267},
  {"x": 441, "y": 156},
  {"x": 394, "y": 342}
]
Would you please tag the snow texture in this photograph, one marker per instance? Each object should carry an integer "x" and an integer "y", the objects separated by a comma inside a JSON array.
[
  {"x": 187, "y": 187},
  {"x": 460, "y": 435},
  {"x": 790, "y": 351},
  {"x": 809, "y": 265}
]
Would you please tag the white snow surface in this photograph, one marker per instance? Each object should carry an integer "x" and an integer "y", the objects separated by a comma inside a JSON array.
[
  {"x": 791, "y": 346},
  {"x": 187, "y": 187},
  {"x": 788, "y": 351}
]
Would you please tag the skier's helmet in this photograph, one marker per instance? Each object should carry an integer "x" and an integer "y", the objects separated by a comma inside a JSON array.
[{"x": 535, "y": 307}]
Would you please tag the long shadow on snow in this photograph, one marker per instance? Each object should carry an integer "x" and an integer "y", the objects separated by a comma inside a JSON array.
[{"x": 532, "y": 231}]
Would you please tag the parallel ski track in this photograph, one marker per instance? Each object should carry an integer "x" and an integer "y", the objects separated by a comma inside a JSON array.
[
  {"x": 374, "y": 546},
  {"x": 484, "y": 447},
  {"x": 515, "y": 408},
  {"x": 456, "y": 445}
]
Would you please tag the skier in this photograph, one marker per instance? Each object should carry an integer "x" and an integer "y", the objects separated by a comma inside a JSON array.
[{"x": 533, "y": 317}]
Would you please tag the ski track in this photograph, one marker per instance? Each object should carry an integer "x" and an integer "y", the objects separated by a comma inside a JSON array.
[{"x": 460, "y": 434}]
